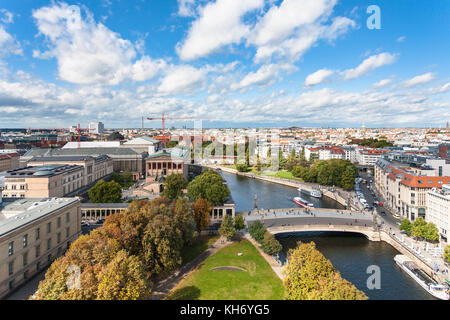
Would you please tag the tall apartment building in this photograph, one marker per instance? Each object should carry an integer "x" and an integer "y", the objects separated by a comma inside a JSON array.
[
  {"x": 33, "y": 233},
  {"x": 368, "y": 157},
  {"x": 405, "y": 189},
  {"x": 96, "y": 127},
  {"x": 438, "y": 205},
  {"x": 43, "y": 182}
]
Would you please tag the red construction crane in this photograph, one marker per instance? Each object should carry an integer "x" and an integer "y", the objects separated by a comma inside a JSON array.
[
  {"x": 164, "y": 118},
  {"x": 79, "y": 135}
]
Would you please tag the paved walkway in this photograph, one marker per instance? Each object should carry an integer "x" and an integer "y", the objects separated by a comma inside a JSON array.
[{"x": 164, "y": 287}]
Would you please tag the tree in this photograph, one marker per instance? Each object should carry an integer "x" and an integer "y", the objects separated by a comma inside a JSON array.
[
  {"x": 257, "y": 231},
  {"x": 226, "y": 229},
  {"x": 270, "y": 245},
  {"x": 210, "y": 186},
  {"x": 431, "y": 232},
  {"x": 242, "y": 167},
  {"x": 124, "y": 279},
  {"x": 310, "y": 276},
  {"x": 447, "y": 253},
  {"x": 174, "y": 185},
  {"x": 348, "y": 179},
  {"x": 106, "y": 192},
  {"x": 406, "y": 226},
  {"x": 202, "y": 210},
  {"x": 418, "y": 228},
  {"x": 239, "y": 222}
]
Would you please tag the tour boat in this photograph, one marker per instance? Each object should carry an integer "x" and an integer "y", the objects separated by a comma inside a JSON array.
[
  {"x": 313, "y": 193},
  {"x": 303, "y": 203},
  {"x": 436, "y": 290}
]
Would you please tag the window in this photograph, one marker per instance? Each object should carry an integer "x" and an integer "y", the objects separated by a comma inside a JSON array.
[
  {"x": 58, "y": 222},
  {"x": 11, "y": 268},
  {"x": 25, "y": 258},
  {"x": 67, "y": 216},
  {"x": 49, "y": 227},
  {"x": 49, "y": 243},
  {"x": 25, "y": 241},
  {"x": 11, "y": 248},
  {"x": 38, "y": 233},
  {"x": 58, "y": 237},
  {"x": 38, "y": 250},
  {"x": 67, "y": 232}
]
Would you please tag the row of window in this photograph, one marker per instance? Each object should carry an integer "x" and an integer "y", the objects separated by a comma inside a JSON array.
[
  {"x": 38, "y": 234},
  {"x": 37, "y": 250}
]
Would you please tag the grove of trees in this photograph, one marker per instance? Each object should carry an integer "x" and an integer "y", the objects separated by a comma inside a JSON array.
[
  {"x": 420, "y": 229},
  {"x": 120, "y": 259},
  {"x": 335, "y": 172},
  {"x": 310, "y": 276}
]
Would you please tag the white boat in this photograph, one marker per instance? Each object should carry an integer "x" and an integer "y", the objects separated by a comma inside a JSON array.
[
  {"x": 313, "y": 193},
  {"x": 436, "y": 290},
  {"x": 303, "y": 203}
]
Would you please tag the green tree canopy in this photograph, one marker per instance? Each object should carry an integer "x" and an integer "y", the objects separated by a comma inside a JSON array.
[
  {"x": 270, "y": 245},
  {"x": 106, "y": 192},
  {"x": 210, "y": 186},
  {"x": 257, "y": 230},
  {"x": 406, "y": 226},
  {"x": 226, "y": 229},
  {"x": 239, "y": 222},
  {"x": 174, "y": 185}
]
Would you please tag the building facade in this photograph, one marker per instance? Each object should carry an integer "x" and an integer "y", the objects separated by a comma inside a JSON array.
[
  {"x": 33, "y": 233},
  {"x": 43, "y": 182},
  {"x": 9, "y": 161},
  {"x": 438, "y": 204}
]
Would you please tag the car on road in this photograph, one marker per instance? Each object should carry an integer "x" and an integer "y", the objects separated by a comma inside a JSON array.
[
  {"x": 382, "y": 213},
  {"x": 380, "y": 204}
]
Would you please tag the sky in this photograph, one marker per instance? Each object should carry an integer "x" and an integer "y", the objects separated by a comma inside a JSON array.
[{"x": 229, "y": 63}]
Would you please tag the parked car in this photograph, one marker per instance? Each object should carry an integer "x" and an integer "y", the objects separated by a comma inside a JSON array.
[{"x": 380, "y": 204}]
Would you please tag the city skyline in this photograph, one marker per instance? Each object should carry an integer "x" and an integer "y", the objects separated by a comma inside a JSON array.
[{"x": 241, "y": 64}]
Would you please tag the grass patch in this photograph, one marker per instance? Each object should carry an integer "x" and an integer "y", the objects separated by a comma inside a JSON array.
[
  {"x": 199, "y": 245},
  {"x": 281, "y": 174},
  {"x": 258, "y": 283}
]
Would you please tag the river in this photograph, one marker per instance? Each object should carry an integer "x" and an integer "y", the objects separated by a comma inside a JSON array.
[{"x": 350, "y": 254}]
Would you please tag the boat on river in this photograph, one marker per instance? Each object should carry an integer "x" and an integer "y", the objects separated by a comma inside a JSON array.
[
  {"x": 303, "y": 203},
  {"x": 436, "y": 290},
  {"x": 312, "y": 193}
]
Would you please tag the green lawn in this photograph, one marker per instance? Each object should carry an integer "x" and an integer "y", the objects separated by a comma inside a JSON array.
[
  {"x": 199, "y": 245},
  {"x": 258, "y": 282},
  {"x": 281, "y": 174}
]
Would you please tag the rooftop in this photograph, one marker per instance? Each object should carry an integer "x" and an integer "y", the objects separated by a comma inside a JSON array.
[
  {"x": 17, "y": 213},
  {"x": 41, "y": 171}
]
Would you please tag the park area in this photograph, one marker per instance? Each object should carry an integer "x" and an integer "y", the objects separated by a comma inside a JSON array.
[{"x": 250, "y": 277}]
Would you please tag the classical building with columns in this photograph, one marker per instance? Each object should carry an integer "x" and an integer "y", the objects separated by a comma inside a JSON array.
[{"x": 162, "y": 164}]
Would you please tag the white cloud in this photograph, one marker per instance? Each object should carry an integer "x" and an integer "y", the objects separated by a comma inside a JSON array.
[
  {"x": 219, "y": 24},
  {"x": 6, "y": 16},
  {"x": 318, "y": 77},
  {"x": 182, "y": 79},
  {"x": 282, "y": 34},
  {"x": 445, "y": 87},
  {"x": 382, "y": 83},
  {"x": 279, "y": 22},
  {"x": 418, "y": 80},
  {"x": 369, "y": 64},
  {"x": 264, "y": 75},
  {"x": 8, "y": 45},
  {"x": 88, "y": 52},
  {"x": 186, "y": 8},
  {"x": 401, "y": 39}
]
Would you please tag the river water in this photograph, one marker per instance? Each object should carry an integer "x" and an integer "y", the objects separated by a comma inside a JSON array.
[{"x": 351, "y": 254}]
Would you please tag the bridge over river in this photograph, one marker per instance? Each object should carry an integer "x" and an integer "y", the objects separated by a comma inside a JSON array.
[{"x": 314, "y": 219}]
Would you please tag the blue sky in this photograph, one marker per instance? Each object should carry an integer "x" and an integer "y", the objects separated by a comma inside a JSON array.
[{"x": 236, "y": 63}]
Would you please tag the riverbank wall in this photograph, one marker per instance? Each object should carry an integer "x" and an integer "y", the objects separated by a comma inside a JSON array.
[
  {"x": 384, "y": 236},
  {"x": 286, "y": 182}
]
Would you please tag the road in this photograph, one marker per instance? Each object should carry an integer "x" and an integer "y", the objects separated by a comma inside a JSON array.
[{"x": 387, "y": 218}]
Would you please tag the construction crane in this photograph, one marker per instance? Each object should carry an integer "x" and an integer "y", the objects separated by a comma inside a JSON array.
[
  {"x": 164, "y": 118},
  {"x": 79, "y": 135}
]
